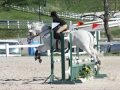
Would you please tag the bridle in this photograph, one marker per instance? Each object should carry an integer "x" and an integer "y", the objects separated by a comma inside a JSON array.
[{"x": 37, "y": 34}]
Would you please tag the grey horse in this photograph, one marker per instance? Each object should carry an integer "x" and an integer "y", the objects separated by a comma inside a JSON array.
[{"x": 80, "y": 38}]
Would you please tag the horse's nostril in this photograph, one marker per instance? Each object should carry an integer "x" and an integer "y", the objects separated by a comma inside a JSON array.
[{"x": 30, "y": 34}]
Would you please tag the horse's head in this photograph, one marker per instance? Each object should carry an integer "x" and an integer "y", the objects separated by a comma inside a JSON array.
[
  {"x": 36, "y": 29},
  {"x": 33, "y": 30}
]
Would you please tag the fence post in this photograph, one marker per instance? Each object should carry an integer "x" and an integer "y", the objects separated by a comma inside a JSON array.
[
  {"x": 8, "y": 24},
  {"x": 18, "y": 24},
  {"x": 23, "y": 9},
  {"x": 7, "y": 49},
  {"x": 33, "y": 10},
  {"x": 28, "y": 9},
  {"x": 28, "y": 23}
]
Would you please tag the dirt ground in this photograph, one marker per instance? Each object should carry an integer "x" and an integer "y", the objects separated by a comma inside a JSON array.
[{"x": 23, "y": 73}]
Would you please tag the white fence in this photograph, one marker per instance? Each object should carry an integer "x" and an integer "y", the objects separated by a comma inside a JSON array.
[
  {"x": 7, "y": 47},
  {"x": 63, "y": 14},
  {"x": 20, "y": 24},
  {"x": 13, "y": 24}
]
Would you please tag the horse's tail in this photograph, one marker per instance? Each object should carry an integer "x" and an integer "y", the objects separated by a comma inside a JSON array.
[
  {"x": 92, "y": 44},
  {"x": 91, "y": 40}
]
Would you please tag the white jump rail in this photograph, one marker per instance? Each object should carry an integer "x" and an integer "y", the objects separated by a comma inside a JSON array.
[{"x": 113, "y": 22}]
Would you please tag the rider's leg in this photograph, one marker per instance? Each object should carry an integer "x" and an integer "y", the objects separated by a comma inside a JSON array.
[
  {"x": 56, "y": 45},
  {"x": 62, "y": 28}
]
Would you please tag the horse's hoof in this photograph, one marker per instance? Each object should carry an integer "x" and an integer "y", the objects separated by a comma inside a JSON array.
[
  {"x": 98, "y": 62},
  {"x": 40, "y": 60},
  {"x": 97, "y": 69},
  {"x": 67, "y": 58},
  {"x": 35, "y": 58}
]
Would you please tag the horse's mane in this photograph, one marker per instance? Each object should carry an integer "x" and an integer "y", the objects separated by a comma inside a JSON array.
[
  {"x": 38, "y": 26},
  {"x": 45, "y": 27}
]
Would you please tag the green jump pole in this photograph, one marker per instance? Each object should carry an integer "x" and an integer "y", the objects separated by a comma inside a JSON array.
[
  {"x": 70, "y": 62},
  {"x": 52, "y": 76},
  {"x": 52, "y": 59},
  {"x": 97, "y": 39},
  {"x": 62, "y": 57}
]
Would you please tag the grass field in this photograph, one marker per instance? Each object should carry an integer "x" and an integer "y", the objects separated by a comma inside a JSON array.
[{"x": 19, "y": 15}]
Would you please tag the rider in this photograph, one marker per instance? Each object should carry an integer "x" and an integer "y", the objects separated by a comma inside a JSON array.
[{"x": 60, "y": 27}]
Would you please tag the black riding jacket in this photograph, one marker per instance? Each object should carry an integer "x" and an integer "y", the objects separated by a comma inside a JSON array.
[{"x": 59, "y": 20}]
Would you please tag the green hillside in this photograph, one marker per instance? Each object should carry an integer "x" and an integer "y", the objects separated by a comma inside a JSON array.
[
  {"x": 19, "y": 15},
  {"x": 78, "y": 6}
]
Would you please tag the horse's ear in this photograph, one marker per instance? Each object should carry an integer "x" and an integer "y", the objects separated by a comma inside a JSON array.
[{"x": 29, "y": 26}]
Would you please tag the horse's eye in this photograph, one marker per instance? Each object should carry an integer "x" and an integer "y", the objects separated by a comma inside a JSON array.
[{"x": 49, "y": 27}]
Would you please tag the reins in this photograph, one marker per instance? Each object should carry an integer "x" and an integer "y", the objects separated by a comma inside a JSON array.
[{"x": 43, "y": 32}]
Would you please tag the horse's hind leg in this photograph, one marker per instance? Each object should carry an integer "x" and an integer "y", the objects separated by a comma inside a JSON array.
[
  {"x": 95, "y": 53},
  {"x": 97, "y": 60},
  {"x": 92, "y": 53}
]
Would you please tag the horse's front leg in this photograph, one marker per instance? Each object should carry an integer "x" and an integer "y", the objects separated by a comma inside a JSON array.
[{"x": 38, "y": 56}]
